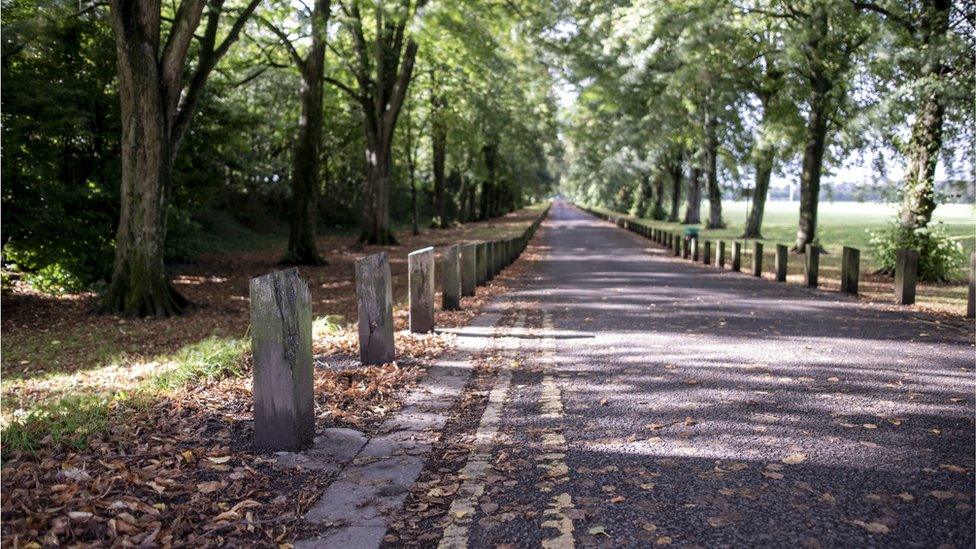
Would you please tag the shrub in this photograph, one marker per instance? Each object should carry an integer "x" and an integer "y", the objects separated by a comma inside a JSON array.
[
  {"x": 184, "y": 236},
  {"x": 939, "y": 257}
]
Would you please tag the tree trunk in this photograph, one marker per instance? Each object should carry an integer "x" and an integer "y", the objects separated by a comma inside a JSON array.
[
  {"x": 412, "y": 174},
  {"x": 918, "y": 200},
  {"x": 657, "y": 210},
  {"x": 693, "y": 207},
  {"x": 813, "y": 151},
  {"x": 376, "y": 196},
  {"x": 489, "y": 191},
  {"x": 674, "y": 170},
  {"x": 139, "y": 285},
  {"x": 439, "y": 153},
  {"x": 305, "y": 172},
  {"x": 711, "y": 173},
  {"x": 764, "y": 170}
]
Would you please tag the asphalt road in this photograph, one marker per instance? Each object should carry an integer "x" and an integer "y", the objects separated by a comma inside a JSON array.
[{"x": 656, "y": 401}]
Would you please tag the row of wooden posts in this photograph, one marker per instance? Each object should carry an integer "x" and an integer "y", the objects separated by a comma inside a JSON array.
[
  {"x": 906, "y": 266},
  {"x": 281, "y": 325}
]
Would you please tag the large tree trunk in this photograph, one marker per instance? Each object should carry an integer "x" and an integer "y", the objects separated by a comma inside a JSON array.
[
  {"x": 918, "y": 200},
  {"x": 693, "y": 206},
  {"x": 308, "y": 147},
  {"x": 674, "y": 170},
  {"x": 139, "y": 285},
  {"x": 439, "y": 153},
  {"x": 813, "y": 151},
  {"x": 657, "y": 210},
  {"x": 489, "y": 190},
  {"x": 764, "y": 171},
  {"x": 711, "y": 173},
  {"x": 642, "y": 198},
  {"x": 376, "y": 195}
]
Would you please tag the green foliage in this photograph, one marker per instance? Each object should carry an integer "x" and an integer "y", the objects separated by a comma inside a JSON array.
[
  {"x": 184, "y": 236},
  {"x": 940, "y": 258}
]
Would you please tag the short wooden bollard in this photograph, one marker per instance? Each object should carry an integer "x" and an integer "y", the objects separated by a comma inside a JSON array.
[
  {"x": 707, "y": 252},
  {"x": 782, "y": 256},
  {"x": 757, "y": 258},
  {"x": 906, "y": 275},
  {"x": 736, "y": 255},
  {"x": 677, "y": 245},
  {"x": 499, "y": 263},
  {"x": 451, "y": 279},
  {"x": 481, "y": 255},
  {"x": 971, "y": 302},
  {"x": 375, "y": 297},
  {"x": 685, "y": 248},
  {"x": 420, "y": 279},
  {"x": 281, "y": 342},
  {"x": 720, "y": 254},
  {"x": 694, "y": 250},
  {"x": 811, "y": 271},
  {"x": 850, "y": 270},
  {"x": 469, "y": 269}
]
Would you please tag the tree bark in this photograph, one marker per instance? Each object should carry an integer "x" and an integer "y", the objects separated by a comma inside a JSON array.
[
  {"x": 657, "y": 210},
  {"x": 918, "y": 200},
  {"x": 693, "y": 206},
  {"x": 308, "y": 147},
  {"x": 674, "y": 170},
  {"x": 711, "y": 173},
  {"x": 489, "y": 190},
  {"x": 813, "y": 151},
  {"x": 764, "y": 171},
  {"x": 642, "y": 198},
  {"x": 439, "y": 153},
  {"x": 156, "y": 108}
]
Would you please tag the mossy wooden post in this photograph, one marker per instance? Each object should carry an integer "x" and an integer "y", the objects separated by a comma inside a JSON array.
[
  {"x": 481, "y": 254},
  {"x": 694, "y": 250},
  {"x": 736, "y": 255},
  {"x": 451, "y": 279},
  {"x": 469, "y": 269},
  {"x": 971, "y": 302},
  {"x": 757, "y": 258},
  {"x": 720, "y": 253},
  {"x": 375, "y": 297},
  {"x": 420, "y": 279},
  {"x": 811, "y": 270},
  {"x": 906, "y": 274},
  {"x": 850, "y": 270},
  {"x": 677, "y": 244},
  {"x": 281, "y": 341},
  {"x": 498, "y": 257},
  {"x": 707, "y": 252},
  {"x": 782, "y": 255},
  {"x": 685, "y": 247}
]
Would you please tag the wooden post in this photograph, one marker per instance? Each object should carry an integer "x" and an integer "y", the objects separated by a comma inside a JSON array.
[
  {"x": 720, "y": 254},
  {"x": 677, "y": 244},
  {"x": 736, "y": 255},
  {"x": 420, "y": 279},
  {"x": 281, "y": 342},
  {"x": 469, "y": 269},
  {"x": 811, "y": 272},
  {"x": 481, "y": 253},
  {"x": 757, "y": 258},
  {"x": 906, "y": 274},
  {"x": 971, "y": 302},
  {"x": 451, "y": 280},
  {"x": 707, "y": 252},
  {"x": 685, "y": 247},
  {"x": 850, "y": 270},
  {"x": 782, "y": 253},
  {"x": 694, "y": 250},
  {"x": 375, "y": 297}
]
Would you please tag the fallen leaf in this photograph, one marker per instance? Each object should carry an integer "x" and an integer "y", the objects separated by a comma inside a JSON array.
[
  {"x": 794, "y": 459},
  {"x": 207, "y": 487},
  {"x": 219, "y": 460},
  {"x": 663, "y": 540},
  {"x": 773, "y": 475},
  {"x": 952, "y": 468},
  {"x": 596, "y": 530},
  {"x": 942, "y": 494}
]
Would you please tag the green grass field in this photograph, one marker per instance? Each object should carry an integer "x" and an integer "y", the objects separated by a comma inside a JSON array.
[{"x": 844, "y": 224}]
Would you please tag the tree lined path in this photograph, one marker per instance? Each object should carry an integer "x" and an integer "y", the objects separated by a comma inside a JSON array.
[{"x": 654, "y": 401}]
